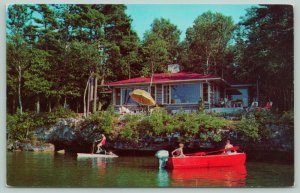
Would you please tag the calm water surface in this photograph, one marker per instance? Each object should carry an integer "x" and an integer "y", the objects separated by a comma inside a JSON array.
[{"x": 30, "y": 169}]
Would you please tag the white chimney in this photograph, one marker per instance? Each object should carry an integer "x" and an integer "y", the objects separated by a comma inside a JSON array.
[{"x": 173, "y": 68}]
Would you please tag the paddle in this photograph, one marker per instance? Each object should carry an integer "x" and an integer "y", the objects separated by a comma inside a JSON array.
[
  {"x": 205, "y": 153},
  {"x": 93, "y": 148}
]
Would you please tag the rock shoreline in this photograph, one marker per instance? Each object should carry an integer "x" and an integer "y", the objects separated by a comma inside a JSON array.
[{"x": 66, "y": 135}]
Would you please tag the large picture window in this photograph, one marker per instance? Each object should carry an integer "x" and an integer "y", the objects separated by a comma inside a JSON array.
[
  {"x": 185, "y": 93},
  {"x": 126, "y": 99}
]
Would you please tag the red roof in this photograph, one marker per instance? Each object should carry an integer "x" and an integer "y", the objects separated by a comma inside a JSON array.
[{"x": 165, "y": 77}]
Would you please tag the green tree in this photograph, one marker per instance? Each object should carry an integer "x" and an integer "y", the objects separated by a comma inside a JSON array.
[
  {"x": 35, "y": 78},
  {"x": 207, "y": 42},
  {"x": 122, "y": 43},
  {"x": 18, "y": 57},
  {"x": 160, "y": 46},
  {"x": 263, "y": 35},
  {"x": 72, "y": 44},
  {"x": 46, "y": 26},
  {"x": 109, "y": 29}
]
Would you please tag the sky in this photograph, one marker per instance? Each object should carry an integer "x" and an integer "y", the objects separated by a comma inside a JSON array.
[{"x": 182, "y": 15}]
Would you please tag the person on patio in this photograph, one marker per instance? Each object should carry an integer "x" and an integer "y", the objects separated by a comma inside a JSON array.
[{"x": 269, "y": 105}]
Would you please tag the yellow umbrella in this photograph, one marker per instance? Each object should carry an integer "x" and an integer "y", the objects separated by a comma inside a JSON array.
[{"x": 142, "y": 97}]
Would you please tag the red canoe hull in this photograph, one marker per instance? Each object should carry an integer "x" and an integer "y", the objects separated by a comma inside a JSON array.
[
  {"x": 221, "y": 160},
  {"x": 234, "y": 176}
]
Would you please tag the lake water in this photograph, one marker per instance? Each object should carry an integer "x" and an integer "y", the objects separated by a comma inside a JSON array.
[{"x": 30, "y": 169}]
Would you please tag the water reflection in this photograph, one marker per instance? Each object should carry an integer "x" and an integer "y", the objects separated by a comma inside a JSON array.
[
  {"x": 210, "y": 177},
  {"x": 162, "y": 178},
  {"x": 97, "y": 164},
  {"x": 101, "y": 165}
]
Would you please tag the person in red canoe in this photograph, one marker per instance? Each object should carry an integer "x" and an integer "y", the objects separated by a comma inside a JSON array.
[
  {"x": 228, "y": 145},
  {"x": 102, "y": 142},
  {"x": 179, "y": 151}
]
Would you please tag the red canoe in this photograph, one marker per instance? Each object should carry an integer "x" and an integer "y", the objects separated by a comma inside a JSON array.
[{"x": 221, "y": 160}]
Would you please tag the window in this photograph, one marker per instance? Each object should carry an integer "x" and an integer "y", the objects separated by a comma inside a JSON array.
[
  {"x": 185, "y": 93},
  {"x": 127, "y": 100},
  {"x": 153, "y": 92},
  {"x": 117, "y": 96},
  {"x": 205, "y": 91},
  {"x": 166, "y": 92}
]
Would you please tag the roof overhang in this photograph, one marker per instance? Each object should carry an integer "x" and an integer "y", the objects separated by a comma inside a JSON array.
[
  {"x": 170, "y": 82},
  {"x": 242, "y": 85}
]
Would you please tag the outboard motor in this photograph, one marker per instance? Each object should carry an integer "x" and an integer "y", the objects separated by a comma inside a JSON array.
[{"x": 162, "y": 156}]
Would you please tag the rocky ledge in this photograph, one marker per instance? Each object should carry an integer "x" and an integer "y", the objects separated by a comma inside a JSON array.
[{"x": 31, "y": 146}]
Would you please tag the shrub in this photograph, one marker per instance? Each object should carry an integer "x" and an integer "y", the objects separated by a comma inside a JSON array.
[
  {"x": 287, "y": 118},
  {"x": 248, "y": 127},
  {"x": 209, "y": 122},
  {"x": 130, "y": 130},
  {"x": 187, "y": 123},
  {"x": 263, "y": 116},
  {"x": 103, "y": 120},
  {"x": 159, "y": 122},
  {"x": 62, "y": 112},
  {"x": 19, "y": 125}
]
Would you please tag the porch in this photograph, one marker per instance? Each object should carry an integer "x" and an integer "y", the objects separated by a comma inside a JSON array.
[{"x": 179, "y": 108}]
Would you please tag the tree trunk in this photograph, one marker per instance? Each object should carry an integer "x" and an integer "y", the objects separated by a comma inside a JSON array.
[
  {"x": 77, "y": 107},
  {"x": 92, "y": 89},
  {"x": 95, "y": 95},
  {"x": 257, "y": 92},
  {"x": 50, "y": 108},
  {"x": 88, "y": 98},
  {"x": 207, "y": 65},
  {"x": 84, "y": 97},
  {"x": 65, "y": 102},
  {"x": 215, "y": 66},
  {"x": 129, "y": 73},
  {"x": 284, "y": 101},
  {"x": 100, "y": 106},
  {"x": 27, "y": 132},
  {"x": 19, "y": 88},
  {"x": 13, "y": 105},
  {"x": 38, "y": 108},
  {"x": 102, "y": 81}
]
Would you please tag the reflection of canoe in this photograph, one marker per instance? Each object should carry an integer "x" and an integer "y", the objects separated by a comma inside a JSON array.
[
  {"x": 207, "y": 161},
  {"x": 95, "y": 155},
  {"x": 210, "y": 177}
]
